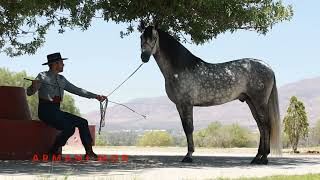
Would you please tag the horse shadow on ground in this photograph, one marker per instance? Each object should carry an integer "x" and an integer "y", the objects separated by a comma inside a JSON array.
[{"x": 140, "y": 163}]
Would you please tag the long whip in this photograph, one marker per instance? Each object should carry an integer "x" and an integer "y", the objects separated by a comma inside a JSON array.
[{"x": 103, "y": 105}]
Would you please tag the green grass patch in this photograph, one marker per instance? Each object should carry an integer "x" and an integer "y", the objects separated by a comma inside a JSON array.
[{"x": 294, "y": 177}]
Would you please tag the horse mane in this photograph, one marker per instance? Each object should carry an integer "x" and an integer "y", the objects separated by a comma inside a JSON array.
[{"x": 180, "y": 56}]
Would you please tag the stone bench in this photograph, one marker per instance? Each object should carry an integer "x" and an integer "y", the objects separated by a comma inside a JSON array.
[
  {"x": 21, "y": 139},
  {"x": 20, "y": 136}
]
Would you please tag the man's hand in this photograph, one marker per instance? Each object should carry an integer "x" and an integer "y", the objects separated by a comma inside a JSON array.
[
  {"x": 101, "y": 98},
  {"x": 36, "y": 84}
]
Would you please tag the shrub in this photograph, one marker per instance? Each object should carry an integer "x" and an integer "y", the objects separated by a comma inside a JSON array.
[{"x": 155, "y": 138}]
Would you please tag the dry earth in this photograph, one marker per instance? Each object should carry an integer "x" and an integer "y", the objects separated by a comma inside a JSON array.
[{"x": 161, "y": 163}]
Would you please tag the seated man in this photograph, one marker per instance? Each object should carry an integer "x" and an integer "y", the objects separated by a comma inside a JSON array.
[{"x": 51, "y": 88}]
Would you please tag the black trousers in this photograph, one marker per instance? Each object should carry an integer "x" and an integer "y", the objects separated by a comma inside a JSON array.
[{"x": 51, "y": 114}]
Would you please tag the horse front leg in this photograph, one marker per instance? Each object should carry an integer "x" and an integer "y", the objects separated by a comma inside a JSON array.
[{"x": 186, "y": 116}]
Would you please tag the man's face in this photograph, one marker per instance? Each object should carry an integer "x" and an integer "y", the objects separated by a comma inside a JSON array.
[{"x": 59, "y": 66}]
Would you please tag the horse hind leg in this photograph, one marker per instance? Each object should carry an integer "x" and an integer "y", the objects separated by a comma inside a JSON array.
[
  {"x": 266, "y": 128},
  {"x": 255, "y": 115},
  {"x": 260, "y": 115},
  {"x": 186, "y": 116}
]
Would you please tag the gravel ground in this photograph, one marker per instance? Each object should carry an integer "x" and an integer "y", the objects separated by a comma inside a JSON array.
[{"x": 160, "y": 163}]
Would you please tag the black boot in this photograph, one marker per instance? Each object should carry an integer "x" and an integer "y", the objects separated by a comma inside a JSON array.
[
  {"x": 55, "y": 151},
  {"x": 90, "y": 154}
]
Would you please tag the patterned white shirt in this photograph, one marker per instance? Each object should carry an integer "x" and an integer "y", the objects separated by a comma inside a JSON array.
[{"x": 49, "y": 87}]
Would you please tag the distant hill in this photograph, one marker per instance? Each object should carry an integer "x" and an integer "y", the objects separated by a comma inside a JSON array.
[{"x": 162, "y": 114}]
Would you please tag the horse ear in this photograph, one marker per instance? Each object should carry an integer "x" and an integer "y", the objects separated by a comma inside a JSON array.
[
  {"x": 154, "y": 32},
  {"x": 142, "y": 26}
]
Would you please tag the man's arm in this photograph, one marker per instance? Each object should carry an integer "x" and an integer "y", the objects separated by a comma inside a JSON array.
[
  {"x": 34, "y": 87},
  {"x": 78, "y": 91}
]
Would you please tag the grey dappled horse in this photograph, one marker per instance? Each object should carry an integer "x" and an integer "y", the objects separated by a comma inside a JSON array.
[{"x": 190, "y": 81}]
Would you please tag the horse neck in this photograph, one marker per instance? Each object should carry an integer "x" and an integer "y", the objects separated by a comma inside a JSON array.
[
  {"x": 172, "y": 57},
  {"x": 165, "y": 66}
]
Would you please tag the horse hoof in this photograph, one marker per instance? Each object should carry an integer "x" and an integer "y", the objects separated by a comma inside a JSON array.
[
  {"x": 254, "y": 161},
  {"x": 259, "y": 161},
  {"x": 263, "y": 161},
  {"x": 187, "y": 159}
]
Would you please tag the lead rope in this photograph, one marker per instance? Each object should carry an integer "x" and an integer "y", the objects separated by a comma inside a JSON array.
[
  {"x": 104, "y": 104},
  {"x": 125, "y": 79},
  {"x": 103, "y": 108}
]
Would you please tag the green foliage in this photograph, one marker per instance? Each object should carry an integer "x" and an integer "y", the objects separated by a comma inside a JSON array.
[
  {"x": 254, "y": 138},
  {"x": 239, "y": 137},
  {"x": 201, "y": 138},
  {"x": 216, "y": 135},
  {"x": 292, "y": 177},
  {"x": 24, "y": 23},
  {"x": 100, "y": 140},
  {"x": 8, "y": 78},
  {"x": 296, "y": 122},
  {"x": 155, "y": 138},
  {"x": 122, "y": 138},
  {"x": 180, "y": 140},
  {"x": 314, "y": 137},
  {"x": 68, "y": 105},
  {"x": 285, "y": 140}
]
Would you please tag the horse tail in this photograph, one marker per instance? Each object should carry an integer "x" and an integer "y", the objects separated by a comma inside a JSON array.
[{"x": 274, "y": 115}]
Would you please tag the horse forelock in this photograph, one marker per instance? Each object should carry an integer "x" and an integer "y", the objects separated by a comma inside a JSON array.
[{"x": 148, "y": 32}]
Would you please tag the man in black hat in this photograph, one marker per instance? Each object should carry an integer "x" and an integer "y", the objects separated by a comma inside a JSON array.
[{"x": 51, "y": 86}]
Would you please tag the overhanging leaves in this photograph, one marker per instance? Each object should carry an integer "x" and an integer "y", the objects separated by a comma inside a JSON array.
[{"x": 24, "y": 23}]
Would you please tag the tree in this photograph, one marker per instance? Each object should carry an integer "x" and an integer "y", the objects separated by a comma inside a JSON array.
[
  {"x": 155, "y": 138},
  {"x": 314, "y": 136},
  {"x": 24, "y": 23},
  {"x": 285, "y": 140},
  {"x": 8, "y": 78},
  {"x": 295, "y": 122},
  {"x": 68, "y": 105}
]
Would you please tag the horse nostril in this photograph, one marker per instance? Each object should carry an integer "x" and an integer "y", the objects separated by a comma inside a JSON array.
[{"x": 145, "y": 56}]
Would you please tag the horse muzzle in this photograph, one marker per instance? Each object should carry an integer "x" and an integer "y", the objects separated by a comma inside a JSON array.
[{"x": 145, "y": 57}]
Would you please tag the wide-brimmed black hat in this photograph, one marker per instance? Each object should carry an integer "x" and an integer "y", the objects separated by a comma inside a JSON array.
[{"x": 54, "y": 58}]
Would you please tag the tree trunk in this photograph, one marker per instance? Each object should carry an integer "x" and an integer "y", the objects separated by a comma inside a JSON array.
[{"x": 295, "y": 146}]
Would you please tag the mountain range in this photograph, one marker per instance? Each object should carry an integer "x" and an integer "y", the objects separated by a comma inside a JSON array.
[{"x": 162, "y": 114}]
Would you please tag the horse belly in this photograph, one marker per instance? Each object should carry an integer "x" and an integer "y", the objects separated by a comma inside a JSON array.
[
  {"x": 211, "y": 99},
  {"x": 206, "y": 92},
  {"x": 206, "y": 95}
]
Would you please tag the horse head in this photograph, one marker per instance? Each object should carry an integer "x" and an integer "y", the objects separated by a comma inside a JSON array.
[{"x": 149, "y": 43}]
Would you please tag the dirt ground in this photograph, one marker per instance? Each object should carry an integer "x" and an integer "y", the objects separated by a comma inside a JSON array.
[{"x": 159, "y": 163}]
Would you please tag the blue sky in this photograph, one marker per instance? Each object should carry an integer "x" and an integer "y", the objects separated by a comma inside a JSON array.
[{"x": 99, "y": 59}]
